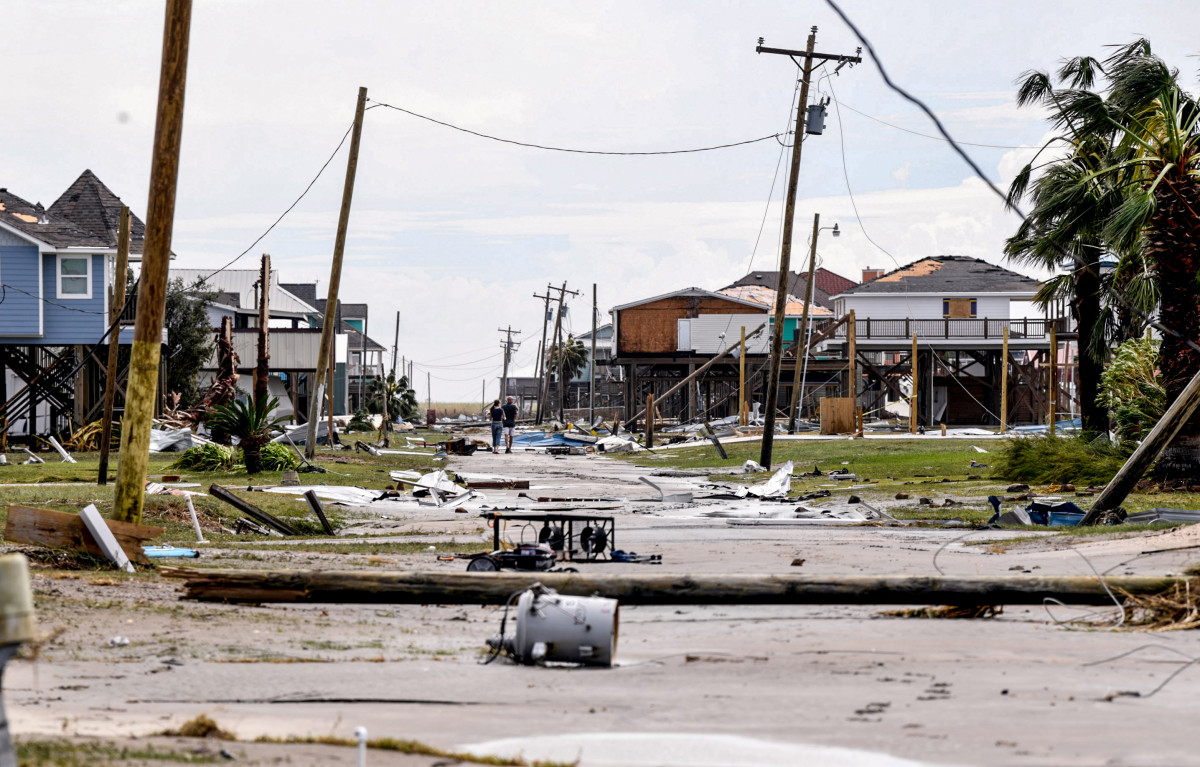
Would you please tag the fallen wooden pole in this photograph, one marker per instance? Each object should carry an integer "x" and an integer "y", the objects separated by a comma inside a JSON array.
[
  {"x": 250, "y": 510},
  {"x": 333, "y": 586},
  {"x": 1146, "y": 453}
]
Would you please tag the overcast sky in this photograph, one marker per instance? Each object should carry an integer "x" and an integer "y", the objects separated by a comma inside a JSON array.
[{"x": 457, "y": 232}]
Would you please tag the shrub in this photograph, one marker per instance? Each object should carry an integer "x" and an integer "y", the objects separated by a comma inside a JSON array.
[
  {"x": 210, "y": 457},
  {"x": 251, "y": 423},
  {"x": 361, "y": 421},
  {"x": 277, "y": 457},
  {"x": 1132, "y": 390},
  {"x": 1058, "y": 460}
]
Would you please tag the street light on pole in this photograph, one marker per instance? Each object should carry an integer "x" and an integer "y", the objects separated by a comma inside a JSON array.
[{"x": 801, "y": 345}]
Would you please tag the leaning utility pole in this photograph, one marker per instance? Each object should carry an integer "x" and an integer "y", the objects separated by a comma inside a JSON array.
[
  {"x": 508, "y": 349},
  {"x": 262, "y": 370},
  {"x": 541, "y": 361},
  {"x": 396, "y": 344},
  {"x": 328, "y": 328},
  {"x": 592, "y": 365},
  {"x": 785, "y": 255},
  {"x": 116, "y": 309},
  {"x": 801, "y": 341},
  {"x": 146, "y": 353},
  {"x": 552, "y": 349}
]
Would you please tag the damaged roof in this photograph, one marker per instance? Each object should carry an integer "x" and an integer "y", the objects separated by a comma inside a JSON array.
[
  {"x": 93, "y": 207},
  {"x": 797, "y": 285},
  {"x": 37, "y": 223},
  {"x": 948, "y": 274},
  {"x": 766, "y": 298}
]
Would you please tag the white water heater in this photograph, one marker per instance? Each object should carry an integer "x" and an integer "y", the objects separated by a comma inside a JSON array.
[{"x": 556, "y": 628}]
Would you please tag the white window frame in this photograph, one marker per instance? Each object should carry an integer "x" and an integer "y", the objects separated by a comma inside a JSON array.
[{"x": 87, "y": 257}]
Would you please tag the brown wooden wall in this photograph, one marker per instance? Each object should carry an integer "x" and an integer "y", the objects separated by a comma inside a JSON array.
[{"x": 650, "y": 328}]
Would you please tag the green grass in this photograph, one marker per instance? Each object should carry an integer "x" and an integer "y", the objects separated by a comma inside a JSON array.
[
  {"x": 65, "y": 753},
  {"x": 874, "y": 459},
  {"x": 26, "y": 485}
]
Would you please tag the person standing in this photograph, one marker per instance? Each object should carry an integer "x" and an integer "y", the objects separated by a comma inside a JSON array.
[
  {"x": 510, "y": 423},
  {"x": 497, "y": 414}
]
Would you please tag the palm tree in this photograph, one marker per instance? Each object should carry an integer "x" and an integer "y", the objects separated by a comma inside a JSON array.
[
  {"x": 1064, "y": 228},
  {"x": 401, "y": 398},
  {"x": 251, "y": 423},
  {"x": 1156, "y": 162},
  {"x": 1136, "y": 151},
  {"x": 568, "y": 358}
]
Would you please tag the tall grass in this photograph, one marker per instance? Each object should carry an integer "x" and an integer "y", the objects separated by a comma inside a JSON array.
[{"x": 1058, "y": 460}]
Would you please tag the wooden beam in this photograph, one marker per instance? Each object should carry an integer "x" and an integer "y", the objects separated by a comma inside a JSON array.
[
  {"x": 115, "y": 309},
  {"x": 912, "y": 405},
  {"x": 146, "y": 353},
  {"x": 358, "y": 586},
  {"x": 1004, "y": 384},
  {"x": 61, "y": 530}
]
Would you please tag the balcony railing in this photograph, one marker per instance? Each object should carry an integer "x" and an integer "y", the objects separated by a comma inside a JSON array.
[
  {"x": 370, "y": 370},
  {"x": 979, "y": 329}
]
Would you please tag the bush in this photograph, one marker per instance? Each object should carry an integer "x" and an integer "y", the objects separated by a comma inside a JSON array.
[
  {"x": 210, "y": 457},
  {"x": 361, "y": 421},
  {"x": 1058, "y": 460},
  {"x": 1132, "y": 390},
  {"x": 278, "y": 457}
]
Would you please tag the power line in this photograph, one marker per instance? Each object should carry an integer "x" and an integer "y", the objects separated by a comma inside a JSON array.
[
  {"x": 927, "y": 135},
  {"x": 296, "y": 202},
  {"x": 570, "y": 150}
]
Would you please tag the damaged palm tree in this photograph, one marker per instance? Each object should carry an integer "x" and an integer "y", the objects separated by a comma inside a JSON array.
[
  {"x": 251, "y": 423},
  {"x": 222, "y": 390}
]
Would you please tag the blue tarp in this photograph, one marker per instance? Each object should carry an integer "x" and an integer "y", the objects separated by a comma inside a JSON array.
[{"x": 547, "y": 439}]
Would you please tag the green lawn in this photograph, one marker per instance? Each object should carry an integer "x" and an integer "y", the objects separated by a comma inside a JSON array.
[{"x": 31, "y": 485}]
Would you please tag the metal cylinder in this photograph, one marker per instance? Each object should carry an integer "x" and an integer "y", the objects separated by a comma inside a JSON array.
[
  {"x": 552, "y": 627},
  {"x": 16, "y": 601}
]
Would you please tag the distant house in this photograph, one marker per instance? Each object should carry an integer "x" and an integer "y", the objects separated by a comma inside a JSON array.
[
  {"x": 56, "y": 269},
  {"x": 826, "y": 284},
  {"x": 361, "y": 355},
  {"x": 609, "y": 377},
  {"x": 959, "y": 310}
]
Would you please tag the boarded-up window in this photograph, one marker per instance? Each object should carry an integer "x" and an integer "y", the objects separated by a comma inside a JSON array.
[{"x": 958, "y": 308}]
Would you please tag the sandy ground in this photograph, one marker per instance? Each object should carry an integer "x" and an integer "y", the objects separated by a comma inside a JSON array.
[{"x": 693, "y": 685}]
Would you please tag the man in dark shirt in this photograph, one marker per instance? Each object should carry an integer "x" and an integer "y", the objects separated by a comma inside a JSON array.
[
  {"x": 510, "y": 422},
  {"x": 497, "y": 414}
]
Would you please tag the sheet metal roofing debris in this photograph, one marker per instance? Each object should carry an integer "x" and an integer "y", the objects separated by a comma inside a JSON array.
[
  {"x": 1164, "y": 515},
  {"x": 174, "y": 440},
  {"x": 104, "y": 538},
  {"x": 778, "y": 486},
  {"x": 667, "y": 497}
]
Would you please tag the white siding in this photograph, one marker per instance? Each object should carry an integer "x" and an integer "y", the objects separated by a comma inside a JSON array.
[{"x": 714, "y": 333}]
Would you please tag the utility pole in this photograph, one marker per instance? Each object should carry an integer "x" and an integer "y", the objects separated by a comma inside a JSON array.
[
  {"x": 785, "y": 255},
  {"x": 396, "y": 344},
  {"x": 508, "y": 350},
  {"x": 428, "y": 391},
  {"x": 262, "y": 370},
  {"x": 541, "y": 362},
  {"x": 592, "y": 366},
  {"x": 140, "y": 393},
  {"x": 328, "y": 328},
  {"x": 116, "y": 309},
  {"x": 549, "y": 351},
  {"x": 802, "y": 341}
]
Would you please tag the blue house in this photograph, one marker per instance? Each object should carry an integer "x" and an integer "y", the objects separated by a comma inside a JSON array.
[{"x": 56, "y": 268}]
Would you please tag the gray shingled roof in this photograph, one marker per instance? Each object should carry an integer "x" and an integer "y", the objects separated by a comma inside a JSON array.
[
  {"x": 948, "y": 274},
  {"x": 93, "y": 207},
  {"x": 796, "y": 286},
  {"x": 305, "y": 291},
  {"x": 41, "y": 225}
]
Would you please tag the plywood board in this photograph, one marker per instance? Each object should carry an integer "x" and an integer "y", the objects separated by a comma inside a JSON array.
[{"x": 838, "y": 415}]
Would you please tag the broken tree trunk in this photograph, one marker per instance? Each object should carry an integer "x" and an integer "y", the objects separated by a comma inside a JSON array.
[
  {"x": 1152, "y": 446},
  {"x": 496, "y": 588}
]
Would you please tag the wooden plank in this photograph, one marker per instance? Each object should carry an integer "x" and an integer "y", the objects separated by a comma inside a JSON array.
[
  {"x": 251, "y": 510},
  {"x": 62, "y": 530},
  {"x": 499, "y": 484},
  {"x": 314, "y": 503},
  {"x": 346, "y": 586}
]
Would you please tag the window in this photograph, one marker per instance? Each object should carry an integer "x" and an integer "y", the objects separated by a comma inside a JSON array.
[
  {"x": 74, "y": 276},
  {"x": 958, "y": 308}
]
